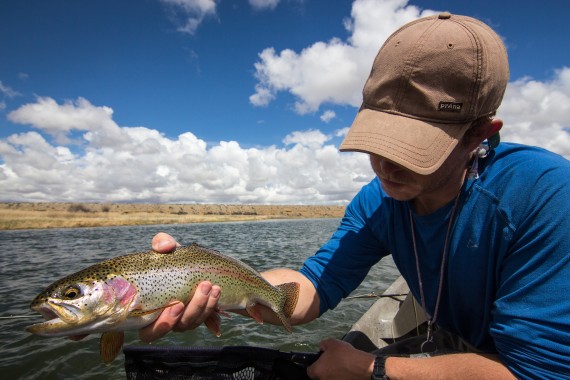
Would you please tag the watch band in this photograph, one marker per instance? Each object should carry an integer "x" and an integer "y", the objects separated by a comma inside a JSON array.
[{"x": 379, "y": 371}]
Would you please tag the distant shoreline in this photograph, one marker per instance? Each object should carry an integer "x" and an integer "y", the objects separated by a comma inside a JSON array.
[{"x": 31, "y": 215}]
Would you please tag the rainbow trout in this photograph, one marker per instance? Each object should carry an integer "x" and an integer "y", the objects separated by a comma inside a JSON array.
[{"x": 129, "y": 292}]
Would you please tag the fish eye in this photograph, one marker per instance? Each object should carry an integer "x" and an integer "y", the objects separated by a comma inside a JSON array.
[{"x": 71, "y": 292}]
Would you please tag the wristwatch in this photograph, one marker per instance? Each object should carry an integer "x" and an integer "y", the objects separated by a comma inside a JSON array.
[{"x": 379, "y": 371}]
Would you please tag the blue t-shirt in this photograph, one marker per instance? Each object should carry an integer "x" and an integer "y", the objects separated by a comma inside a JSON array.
[{"x": 507, "y": 278}]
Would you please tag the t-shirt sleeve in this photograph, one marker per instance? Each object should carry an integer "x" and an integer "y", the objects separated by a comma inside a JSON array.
[
  {"x": 342, "y": 263},
  {"x": 531, "y": 314}
]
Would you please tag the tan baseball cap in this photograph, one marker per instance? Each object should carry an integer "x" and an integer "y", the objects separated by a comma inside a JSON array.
[{"x": 429, "y": 81}]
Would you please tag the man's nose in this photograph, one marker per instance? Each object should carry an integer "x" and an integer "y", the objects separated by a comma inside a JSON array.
[{"x": 384, "y": 165}]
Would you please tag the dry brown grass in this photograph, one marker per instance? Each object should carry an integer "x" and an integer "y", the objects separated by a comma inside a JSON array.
[{"x": 70, "y": 215}]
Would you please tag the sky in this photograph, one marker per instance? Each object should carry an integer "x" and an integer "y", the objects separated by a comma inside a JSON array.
[{"x": 219, "y": 101}]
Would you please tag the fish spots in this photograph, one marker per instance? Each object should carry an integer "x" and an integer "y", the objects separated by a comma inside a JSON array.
[{"x": 148, "y": 281}]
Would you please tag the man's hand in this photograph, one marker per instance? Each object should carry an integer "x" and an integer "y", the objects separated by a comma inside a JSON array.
[
  {"x": 200, "y": 309},
  {"x": 339, "y": 360},
  {"x": 164, "y": 243}
]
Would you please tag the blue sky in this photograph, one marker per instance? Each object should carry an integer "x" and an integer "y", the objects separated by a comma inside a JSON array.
[{"x": 228, "y": 101}]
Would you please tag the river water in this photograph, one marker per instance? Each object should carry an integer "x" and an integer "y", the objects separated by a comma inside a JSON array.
[{"x": 32, "y": 259}]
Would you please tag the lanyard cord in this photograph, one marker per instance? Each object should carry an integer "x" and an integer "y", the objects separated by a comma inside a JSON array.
[{"x": 431, "y": 320}]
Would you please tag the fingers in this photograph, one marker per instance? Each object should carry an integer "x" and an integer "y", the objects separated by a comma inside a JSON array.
[
  {"x": 328, "y": 343},
  {"x": 315, "y": 370},
  {"x": 201, "y": 308},
  {"x": 164, "y": 243},
  {"x": 165, "y": 322},
  {"x": 339, "y": 360}
]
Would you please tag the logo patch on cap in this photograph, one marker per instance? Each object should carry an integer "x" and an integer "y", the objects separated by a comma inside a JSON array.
[{"x": 450, "y": 106}]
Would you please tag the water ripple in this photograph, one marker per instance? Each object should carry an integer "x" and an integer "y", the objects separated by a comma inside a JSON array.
[{"x": 32, "y": 259}]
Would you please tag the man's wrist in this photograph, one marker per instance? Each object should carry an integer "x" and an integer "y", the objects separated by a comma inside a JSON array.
[{"x": 379, "y": 370}]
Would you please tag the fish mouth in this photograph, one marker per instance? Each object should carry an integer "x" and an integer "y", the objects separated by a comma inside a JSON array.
[
  {"x": 52, "y": 322},
  {"x": 45, "y": 328},
  {"x": 47, "y": 313}
]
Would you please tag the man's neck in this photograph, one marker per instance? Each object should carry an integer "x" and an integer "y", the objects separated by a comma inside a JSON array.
[{"x": 427, "y": 203}]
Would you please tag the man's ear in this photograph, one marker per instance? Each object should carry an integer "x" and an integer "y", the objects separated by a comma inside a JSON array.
[
  {"x": 484, "y": 131},
  {"x": 495, "y": 127}
]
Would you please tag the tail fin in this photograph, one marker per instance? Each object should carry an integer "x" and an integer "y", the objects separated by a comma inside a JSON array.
[{"x": 291, "y": 290}]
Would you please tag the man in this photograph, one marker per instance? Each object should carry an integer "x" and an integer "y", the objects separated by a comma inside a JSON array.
[{"x": 479, "y": 232}]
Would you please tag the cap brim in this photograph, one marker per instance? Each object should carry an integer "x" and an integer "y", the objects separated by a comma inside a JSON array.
[{"x": 417, "y": 145}]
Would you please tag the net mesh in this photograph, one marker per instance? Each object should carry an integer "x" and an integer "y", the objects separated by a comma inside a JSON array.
[{"x": 215, "y": 363}]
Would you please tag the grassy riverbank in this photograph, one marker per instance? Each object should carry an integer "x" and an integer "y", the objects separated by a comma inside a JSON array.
[{"x": 70, "y": 215}]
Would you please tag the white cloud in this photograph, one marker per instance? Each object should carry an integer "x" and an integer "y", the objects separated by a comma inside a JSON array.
[
  {"x": 538, "y": 113},
  {"x": 7, "y": 91},
  {"x": 310, "y": 139},
  {"x": 334, "y": 71},
  {"x": 328, "y": 115},
  {"x": 117, "y": 163},
  {"x": 262, "y": 97},
  {"x": 189, "y": 14},
  {"x": 59, "y": 120},
  {"x": 342, "y": 132},
  {"x": 263, "y": 4},
  {"x": 77, "y": 152}
]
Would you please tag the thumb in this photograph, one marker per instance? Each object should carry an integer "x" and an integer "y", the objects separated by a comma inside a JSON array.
[{"x": 164, "y": 243}]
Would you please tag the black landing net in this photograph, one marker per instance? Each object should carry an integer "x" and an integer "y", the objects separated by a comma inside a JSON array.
[{"x": 216, "y": 363}]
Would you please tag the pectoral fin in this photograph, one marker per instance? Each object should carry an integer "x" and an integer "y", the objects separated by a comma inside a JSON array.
[
  {"x": 140, "y": 313},
  {"x": 254, "y": 313},
  {"x": 213, "y": 324},
  {"x": 110, "y": 345}
]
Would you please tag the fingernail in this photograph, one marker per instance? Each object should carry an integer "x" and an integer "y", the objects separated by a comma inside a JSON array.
[
  {"x": 206, "y": 288},
  {"x": 176, "y": 310},
  {"x": 163, "y": 244},
  {"x": 215, "y": 292}
]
